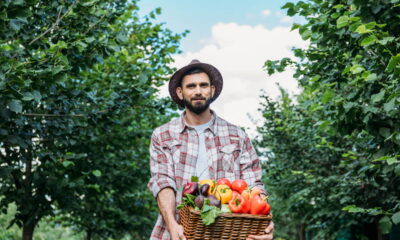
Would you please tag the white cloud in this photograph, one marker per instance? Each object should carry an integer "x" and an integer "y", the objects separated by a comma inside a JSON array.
[
  {"x": 283, "y": 18},
  {"x": 266, "y": 12},
  {"x": 239, "y": 52},
  {"x": 286, "y": 19}
]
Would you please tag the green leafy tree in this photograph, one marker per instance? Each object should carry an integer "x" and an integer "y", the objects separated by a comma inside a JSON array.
[
  {"x": 337, "y": 148},
  {"x": 48, "y": 228},
  {"x": 77, "y": 106}
]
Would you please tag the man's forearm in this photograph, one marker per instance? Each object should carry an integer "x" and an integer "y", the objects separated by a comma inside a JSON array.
[{"x": 166, "y": 204}]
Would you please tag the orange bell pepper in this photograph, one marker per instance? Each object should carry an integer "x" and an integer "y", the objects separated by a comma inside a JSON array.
[
  {"x": 246, "y": 193},
  {"x": 255, "y": 191}
]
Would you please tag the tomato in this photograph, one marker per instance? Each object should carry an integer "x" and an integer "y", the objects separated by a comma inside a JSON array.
[
  {"x": 239, "y": 185},
  {"x": 210, "y": 182},
  {"x": 224, "y": 181},
  {"x": 223, "y": 193},
  {"x": 257, "y": 205},
  {"x": 236, "y": 204}
]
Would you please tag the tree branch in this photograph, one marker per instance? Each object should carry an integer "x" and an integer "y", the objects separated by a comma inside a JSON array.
[
  {"x": 59, "y": 18},
  {"x": 51, "y": 115},
  {"x": 94, "y": 24},
  {"x": 75, "y": 115}
]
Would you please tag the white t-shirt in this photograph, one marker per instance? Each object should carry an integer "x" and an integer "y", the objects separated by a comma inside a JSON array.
[{"x": 202, "y": 171}]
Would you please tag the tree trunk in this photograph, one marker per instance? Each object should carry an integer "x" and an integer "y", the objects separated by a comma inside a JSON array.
[
  {"x": 378, "y": 231},
  {"x": 301, "y": 231},
  {"x": 29, "y": 222},
  {"x": 27, "y": 231},
  {"x": 88, "y": 234}
]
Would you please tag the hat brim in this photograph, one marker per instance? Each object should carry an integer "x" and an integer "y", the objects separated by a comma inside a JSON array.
[{"x": 212, "y": 72}]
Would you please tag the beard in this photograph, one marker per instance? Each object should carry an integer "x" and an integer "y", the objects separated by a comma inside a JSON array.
[{"x": 199, "y": 107}]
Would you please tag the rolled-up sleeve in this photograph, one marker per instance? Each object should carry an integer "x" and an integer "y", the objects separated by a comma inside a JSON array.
[
  {"x": 161, "y": 168},
  {"x": 250, "y": 166}
]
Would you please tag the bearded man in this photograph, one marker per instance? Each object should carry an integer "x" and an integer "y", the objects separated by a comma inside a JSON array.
[{"x": 198, "y": 143}]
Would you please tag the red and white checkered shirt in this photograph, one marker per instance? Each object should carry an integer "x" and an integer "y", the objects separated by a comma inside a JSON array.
[{"x": 173, "y": 155}]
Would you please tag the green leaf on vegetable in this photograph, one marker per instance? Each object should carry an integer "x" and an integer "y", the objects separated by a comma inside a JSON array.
[
  {"x": 209, "y": 214},
  {"x": 187, "y": 200},
  {"x": 194, "y": 179},
  {"x": 225, "y": 208}
]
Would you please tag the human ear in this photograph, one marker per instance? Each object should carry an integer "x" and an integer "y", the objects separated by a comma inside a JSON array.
[
  {"x": 179, "y": 93},
  {"x": 212, "y": 90}
]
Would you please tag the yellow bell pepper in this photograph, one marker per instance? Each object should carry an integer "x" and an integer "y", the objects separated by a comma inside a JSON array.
[{"x": 223, "y": 193}]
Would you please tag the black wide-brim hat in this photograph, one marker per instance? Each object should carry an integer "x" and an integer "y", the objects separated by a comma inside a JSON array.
[{"x": 212, "y": 72}]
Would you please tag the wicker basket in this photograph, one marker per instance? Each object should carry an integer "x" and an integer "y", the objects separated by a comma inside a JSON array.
[{"x": 230, "y": 226}]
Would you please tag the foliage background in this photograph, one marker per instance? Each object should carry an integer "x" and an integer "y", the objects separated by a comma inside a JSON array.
[
  {"x": 78, "y": 103},
  {"x": 333, "y": 169}
]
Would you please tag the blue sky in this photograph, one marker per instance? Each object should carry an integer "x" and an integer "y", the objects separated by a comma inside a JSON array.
[
  {"x": 199, "y": 16},
  {"x": 237, "y": 37}
]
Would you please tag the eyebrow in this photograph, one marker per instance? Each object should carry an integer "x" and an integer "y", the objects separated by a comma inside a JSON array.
[{"x": 203, "y": 84}]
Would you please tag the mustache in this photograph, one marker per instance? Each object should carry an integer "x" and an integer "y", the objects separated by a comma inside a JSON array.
[{"x": 198, "y": 98}]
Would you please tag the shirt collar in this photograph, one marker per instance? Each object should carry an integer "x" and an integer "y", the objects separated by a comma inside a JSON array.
[{"x": 212, "y": 127}]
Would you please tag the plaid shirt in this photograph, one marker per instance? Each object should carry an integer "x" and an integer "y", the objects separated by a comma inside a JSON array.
[{"x": 173, "y": 155}]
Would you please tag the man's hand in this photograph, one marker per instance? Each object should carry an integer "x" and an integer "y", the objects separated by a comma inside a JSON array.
[
  {"x": 269, "y": 236},
  {"x": 166, "y": 204},
  {"x": 176, "y": 231}
]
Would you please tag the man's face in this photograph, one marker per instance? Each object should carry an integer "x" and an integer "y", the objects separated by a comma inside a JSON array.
[{"x": 196, "y": 92}]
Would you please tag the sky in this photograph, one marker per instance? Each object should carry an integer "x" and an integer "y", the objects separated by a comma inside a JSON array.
[{"x": 237, "y": 37}]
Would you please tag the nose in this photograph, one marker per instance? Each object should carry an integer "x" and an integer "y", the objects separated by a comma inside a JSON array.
[{"x": 198, "y": 90}]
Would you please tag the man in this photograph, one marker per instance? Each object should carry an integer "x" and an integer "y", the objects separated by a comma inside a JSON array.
[{"x": 199, "y": 143}]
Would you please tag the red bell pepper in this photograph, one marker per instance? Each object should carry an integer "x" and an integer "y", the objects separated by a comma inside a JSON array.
[
  {"x": 234, "y": 194},
  {"x": 266, "y": 209},
  {"x": 257, "y": 205},
  {"x": 246, "y": 206},
  {"x": 236, "y": 204}
]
